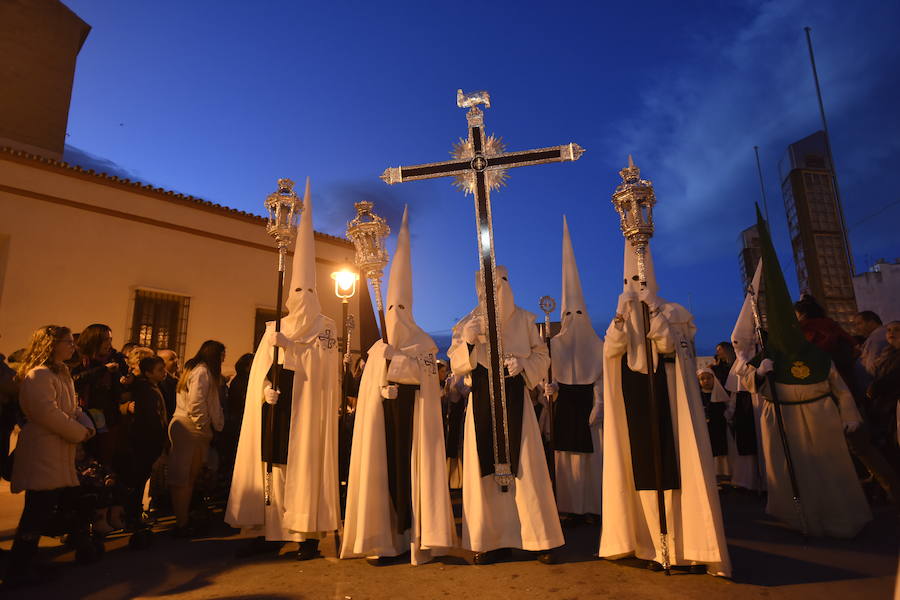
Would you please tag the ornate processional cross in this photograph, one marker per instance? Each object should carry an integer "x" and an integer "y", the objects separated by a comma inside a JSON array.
[{"x": 479, "y": 166}]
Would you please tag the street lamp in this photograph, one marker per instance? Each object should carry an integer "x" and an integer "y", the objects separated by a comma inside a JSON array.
[{"x": 345, "y": 288}]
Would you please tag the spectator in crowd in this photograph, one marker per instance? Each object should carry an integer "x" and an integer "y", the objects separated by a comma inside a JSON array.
[
  {"x": 9, "y": 410},
  {"x": 884, "y": 394},
  {"x": 45, "y": 454},
  {"x": 97, "y": 383},
  {"x": 868, "y": 325},
  {"x": 837, "y": 343},
  {"x": 148, "y": 433},
  {"x": 715, "y": 403},
  {"x": 234, "y": 415},
  {"x": 198, "y": 412},
  {"x": 170, "y": 383}
]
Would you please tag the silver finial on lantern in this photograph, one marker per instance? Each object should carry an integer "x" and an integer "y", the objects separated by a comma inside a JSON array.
[
  {"x": 368, "y": 233},
  {"x": 634, "y": 200},
  {"x": 284, "y": 209}
]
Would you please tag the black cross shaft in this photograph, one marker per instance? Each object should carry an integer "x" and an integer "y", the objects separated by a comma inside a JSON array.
[{"x": 478, "y": 165}]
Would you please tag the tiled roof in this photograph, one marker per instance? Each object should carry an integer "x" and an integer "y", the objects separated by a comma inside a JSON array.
[{"x": 145, "y": 188}]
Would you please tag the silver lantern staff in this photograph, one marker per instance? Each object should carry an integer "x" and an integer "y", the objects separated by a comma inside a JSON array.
[
  {"x": 547, "y": 304},
  {"x": 634, "y": 200},
  {"x": 368, "y": 233},
  {"x": 284, "y": 209}
]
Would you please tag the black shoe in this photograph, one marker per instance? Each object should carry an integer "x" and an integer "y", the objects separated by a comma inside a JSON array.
[
  {"x": 258, "y": 546},
  {"x": 309, "y": 549},
  {"x": 491, "y": 556},
  {"x": 652, "y": 565},
  {"x": 697, "y": 570},
  {"x": 548, "y": 558}
]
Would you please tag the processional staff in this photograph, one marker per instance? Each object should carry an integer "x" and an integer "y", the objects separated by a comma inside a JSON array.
[
  {"x": 284, "y": 209},
  {"x": 368, "y": 233},
  {"x": 634, "y": 199},
  {"x": 479, "y": 166},
  {"x": 763, "y": 227},
  {"x": 547, "y": 304}
]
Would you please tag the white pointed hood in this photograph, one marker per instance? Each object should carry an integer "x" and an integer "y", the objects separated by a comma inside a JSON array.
[
  {"x": 743, "y": 337},
  {"x": 577, "y": 350},
  {"x": 304, "y": 310},
  {"x": 637, "y": 360},
  {"x": 503, "y": 294},
  {"x": 402, "y": 331}
]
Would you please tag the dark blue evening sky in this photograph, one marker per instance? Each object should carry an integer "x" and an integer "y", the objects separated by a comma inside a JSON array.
[{"x": 219, "y": 99}]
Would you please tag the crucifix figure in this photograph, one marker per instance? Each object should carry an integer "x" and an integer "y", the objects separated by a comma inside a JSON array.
[{"x": 480, "y": 165}]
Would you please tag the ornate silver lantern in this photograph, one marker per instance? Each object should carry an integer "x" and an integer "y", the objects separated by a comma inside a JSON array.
[
  {"x": 634, "y": 200},
  {"x": 284, "y": 208},
  {"x": 368, "y": 233}
]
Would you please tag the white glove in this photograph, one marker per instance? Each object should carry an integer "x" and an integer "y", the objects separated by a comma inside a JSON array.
[
  {"x": 596, "y": 415},
  {"x": 270, "y": 395},
  {"x": 276, "y": 338},
  {"x": 513, "y": 365},
  {"x": 550, "y": 388},
  {"x": 645, "y": 295},
  {"x": 389, "y": 392},
  {"x": 765, "y": 367},
  {"x": 390, "y": 352},
  {"x": 624, "y": 305},
  {"x": 472, "y": 331},
  {"x": 851, "y": 426}
]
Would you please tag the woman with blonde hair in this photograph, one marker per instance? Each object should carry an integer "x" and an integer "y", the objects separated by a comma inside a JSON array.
[
  {"x": 198, "y": 411},
  {"x": 45, "y": 454}
]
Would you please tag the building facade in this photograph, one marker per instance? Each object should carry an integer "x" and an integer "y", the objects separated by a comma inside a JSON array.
[
  {"x": 816, "y": 226},
  {"x": 160, "y": 268},
  {"x": 878, "y": 290}
]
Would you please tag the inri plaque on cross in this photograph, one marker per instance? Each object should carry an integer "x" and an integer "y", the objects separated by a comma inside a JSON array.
[{"x": 479, "y": 166}]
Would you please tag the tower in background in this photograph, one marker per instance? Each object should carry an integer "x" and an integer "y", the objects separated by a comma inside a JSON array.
[
  {"x": 39, "y": 43},
  {"x": 749, "y": 258},
  {"x": 816, "y": 226}
]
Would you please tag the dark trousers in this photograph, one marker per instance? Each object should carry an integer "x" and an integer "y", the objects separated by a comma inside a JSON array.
[
  {"x": 36, "y": 515},
  {"x": 860, "y": 444}
]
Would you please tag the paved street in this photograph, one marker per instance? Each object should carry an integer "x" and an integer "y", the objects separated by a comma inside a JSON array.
[{"x": 769, "y": 562}]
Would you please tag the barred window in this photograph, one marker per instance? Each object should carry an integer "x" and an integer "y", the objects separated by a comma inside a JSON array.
[{"x": 159, "y": 320}]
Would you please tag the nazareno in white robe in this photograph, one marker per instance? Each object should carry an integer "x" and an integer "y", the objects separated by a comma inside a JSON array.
[
  {"x": 831, "y": 497},
  {"x": 630, "y": 517},
  {"x": 304, "y": 496},
  {"x": 526, "y": 515},
  {"x": 370, "y": 520}
]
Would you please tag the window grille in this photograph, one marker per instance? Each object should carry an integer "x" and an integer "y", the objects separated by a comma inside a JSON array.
[{"x": 159, "y": 320}]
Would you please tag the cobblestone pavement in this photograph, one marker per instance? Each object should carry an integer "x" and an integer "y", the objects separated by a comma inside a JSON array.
[{"x": 769, "y": 562}]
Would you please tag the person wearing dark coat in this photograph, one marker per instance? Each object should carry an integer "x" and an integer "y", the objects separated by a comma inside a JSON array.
[{"x": 148, "y": 433}]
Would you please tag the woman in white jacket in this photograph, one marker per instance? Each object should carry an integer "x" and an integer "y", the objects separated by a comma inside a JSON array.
[
  {"x": 45, "y": 453},
  {"x": 198, "y": 411}
]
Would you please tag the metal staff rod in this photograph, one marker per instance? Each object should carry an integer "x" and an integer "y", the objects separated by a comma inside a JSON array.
[
  {"x": 283, "y": 208},
  {"x": 368, "y": 233},
  {"x": 548, "y": 305},
  {"x": 779, "y": 419},
  {"x": 634, "y": 200}
]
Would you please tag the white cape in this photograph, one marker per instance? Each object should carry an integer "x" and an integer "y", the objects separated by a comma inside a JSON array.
[
  {"x": 630, "y": 517},
  {"x": 309, "y": 505},
  {"x": 370, "y": 522},
  {"x": 525, "y": 516}
]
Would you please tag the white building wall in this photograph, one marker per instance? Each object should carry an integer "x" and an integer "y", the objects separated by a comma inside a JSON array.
[
  {"x": 74, "y": 247},
  {"x": 878, "y": 290}
]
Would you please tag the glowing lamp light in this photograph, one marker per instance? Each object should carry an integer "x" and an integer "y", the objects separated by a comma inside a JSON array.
[{"x": 345, "y": 283}]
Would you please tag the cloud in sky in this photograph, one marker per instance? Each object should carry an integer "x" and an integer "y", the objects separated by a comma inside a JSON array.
[
  {"x": 696, "y": 127},
  {"x": 87, "y": 160}
]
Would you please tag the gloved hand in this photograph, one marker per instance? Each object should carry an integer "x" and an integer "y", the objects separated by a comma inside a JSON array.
[
  {"x": 765, "y": 367},
  {"x": 851, "y": 426},
  {"x": 270, "y": 395},
  {"x": 596, "y": 415},
  {"x": 390, "y": 352},
  {"x": 623, "y": 308},
  {"x": 513, "y": 365},
  {"x": 389, "y": 392},
  {"x": 471, "y": 331},
  {"x": 276, "y": 338},
  {"x": 649, "y": 298},
  {"x": 550, "y": 388}
]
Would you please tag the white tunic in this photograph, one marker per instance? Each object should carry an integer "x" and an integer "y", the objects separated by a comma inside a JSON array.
[
  {"x": 693, "y": 514},
  {"x": 304, "y": 495},
  {"x": 831, "y": 497},
  {"x": 370, "y": 520},
  {"x": 525, "y": 516}
]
